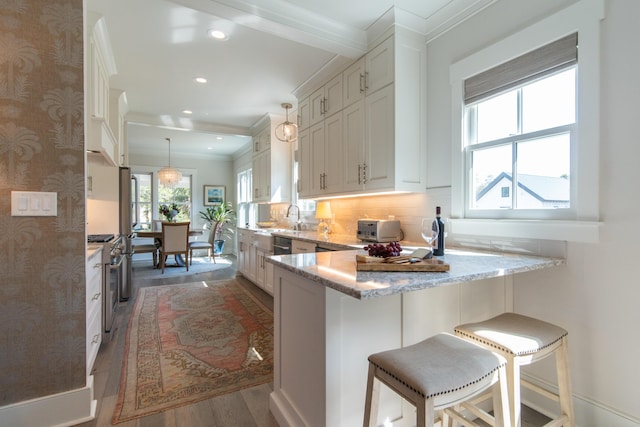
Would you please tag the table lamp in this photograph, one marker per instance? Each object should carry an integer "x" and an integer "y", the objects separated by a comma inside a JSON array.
[{"x": 323, "y": 212}]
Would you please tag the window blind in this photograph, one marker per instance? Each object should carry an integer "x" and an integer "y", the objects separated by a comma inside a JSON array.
[{"x": 548, "y": 59}]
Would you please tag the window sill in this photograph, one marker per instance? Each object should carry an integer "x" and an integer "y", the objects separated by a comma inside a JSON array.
[{"x": 571, "y": 231}]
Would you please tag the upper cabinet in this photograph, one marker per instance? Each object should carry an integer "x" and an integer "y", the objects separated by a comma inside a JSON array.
[
  {"x": 326, "y": 100},
  {"x": 368, "y": 74},
  {"x": 106, "y": 106},
  {"x": 379, "y": 135},
  {"x": 271, "y": 174}
]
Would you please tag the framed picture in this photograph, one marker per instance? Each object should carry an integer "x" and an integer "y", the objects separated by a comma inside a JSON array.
[{"x": 213, "y": 195}]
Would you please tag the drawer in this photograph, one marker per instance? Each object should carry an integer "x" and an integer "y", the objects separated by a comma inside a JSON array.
[{"x": 94, "y": 338}]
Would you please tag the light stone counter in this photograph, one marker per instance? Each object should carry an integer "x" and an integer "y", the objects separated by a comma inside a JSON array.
[{"x": 337, "y": 270}]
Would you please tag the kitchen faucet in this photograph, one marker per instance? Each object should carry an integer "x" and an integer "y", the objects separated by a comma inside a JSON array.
[{"x": 298, "y": 225}]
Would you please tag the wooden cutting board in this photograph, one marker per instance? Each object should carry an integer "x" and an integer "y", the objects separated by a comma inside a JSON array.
[{"x": 369, "y": 263}]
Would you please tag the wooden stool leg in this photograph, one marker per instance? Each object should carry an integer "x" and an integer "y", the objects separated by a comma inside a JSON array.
[
  {"x": 425, "y": 413},
  {"x": 564, "y": 381},
  {"x": 513, "y": 388},
  {"x": 373, "y": 396},
  {"x": 501, "y": 400}
]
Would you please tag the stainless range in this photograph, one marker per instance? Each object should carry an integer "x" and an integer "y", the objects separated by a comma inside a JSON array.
[{"x": 112, "y": 259}]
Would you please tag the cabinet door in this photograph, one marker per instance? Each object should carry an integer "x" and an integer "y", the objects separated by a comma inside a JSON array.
[
  {"x": 316, "y": 106},
  {"x": 260, "y": 268},
  {"x": 304, "y": 114},
  {"x": 251, "y": 262},
  {"x": 379, "y": 134},
  {"x": 268, "y": 276},
  {"x": 379, "y": 66},
  {"x": 304, "y": 164},
  {"x": 353, "y": 83},
  {"x": 353, "y": 146},
  {"x": 333, "y": 161},
  {"x": 316, "y": 164},
  {"x": 333, "y": 96}
]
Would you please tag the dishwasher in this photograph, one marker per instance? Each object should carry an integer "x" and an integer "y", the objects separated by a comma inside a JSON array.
[{"x": 281, "y": 245}]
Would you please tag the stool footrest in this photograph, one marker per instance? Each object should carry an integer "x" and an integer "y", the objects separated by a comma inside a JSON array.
[
  {"x": 546, "y": 393},
  {"x": 459, "y": 418},
  {"x": 483, "y": 415},
  {"x": 558, "y": 422}
]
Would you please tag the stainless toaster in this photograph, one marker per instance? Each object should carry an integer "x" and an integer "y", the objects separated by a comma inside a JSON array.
[{"x": 379, "y": 230}]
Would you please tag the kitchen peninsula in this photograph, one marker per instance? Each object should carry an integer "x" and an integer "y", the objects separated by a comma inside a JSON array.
[{"x": 329, "y": 317}]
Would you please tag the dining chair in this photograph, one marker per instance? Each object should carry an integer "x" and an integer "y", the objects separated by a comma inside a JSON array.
[
  {"x": 196, "y": 245},
  {"x": 175, "y": 241}
]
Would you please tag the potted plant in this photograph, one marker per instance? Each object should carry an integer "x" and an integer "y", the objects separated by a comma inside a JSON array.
[{"x": 218, "y": 218}]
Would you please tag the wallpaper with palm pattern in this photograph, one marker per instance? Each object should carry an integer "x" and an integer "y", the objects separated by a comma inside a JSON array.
[{"x": 42, "y": 259}]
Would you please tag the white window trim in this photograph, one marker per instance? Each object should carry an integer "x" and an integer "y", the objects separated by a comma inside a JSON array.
[{"x": 583, "y": 17}]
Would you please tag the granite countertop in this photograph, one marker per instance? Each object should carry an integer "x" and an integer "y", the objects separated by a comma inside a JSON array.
[{"x": 337, "y": 270}]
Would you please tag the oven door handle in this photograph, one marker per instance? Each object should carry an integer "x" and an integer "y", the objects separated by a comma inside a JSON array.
[{"x": 117, "y": 263}]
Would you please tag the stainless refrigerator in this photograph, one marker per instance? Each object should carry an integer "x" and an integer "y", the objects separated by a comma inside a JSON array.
[{"x": 128, "y": 220}]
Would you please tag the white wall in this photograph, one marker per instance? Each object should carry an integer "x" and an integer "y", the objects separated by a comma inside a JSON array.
[{"x": 595, "y": 297}]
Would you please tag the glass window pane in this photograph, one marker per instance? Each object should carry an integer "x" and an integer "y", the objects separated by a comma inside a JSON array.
[
  {"x": 497, "y": 117},
  {"x": 543, "y": 173},
  {"x": 549, "y": 102},
  {"x": 145, "y": 211},
  {"x": 491, "y": 171},
  {"x": 180, "y": 194}
]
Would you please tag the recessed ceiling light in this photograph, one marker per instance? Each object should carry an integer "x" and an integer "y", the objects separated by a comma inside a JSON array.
[
  {"x": 219, "y": 138},
  {"x": 187, "y": 112},
  {"x": 218, "y": 34},
  {"x": 200, "y": 80},
  {"x": 209, "y": 148}
]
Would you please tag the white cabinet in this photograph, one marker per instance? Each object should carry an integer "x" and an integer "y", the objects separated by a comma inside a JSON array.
[
  {"x": 304, "y": 114},
  {"x": 246, "y": 254},
  {"x": 321, "y": 164},
  {"x": 93, "y": 308},
  {"x": 326, "y": 101},
  {"x": 368, "y": 74},
  {"x": 101, "y": 140},
  {"x": 301, "y": 246},
  {"x": 264, "y": 270},
  {"x": 383, "y": 142},
  {"x": 271, "y": 165}
]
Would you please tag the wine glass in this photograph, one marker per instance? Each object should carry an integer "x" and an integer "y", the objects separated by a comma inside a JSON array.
[{"x": 429, "y": 231}]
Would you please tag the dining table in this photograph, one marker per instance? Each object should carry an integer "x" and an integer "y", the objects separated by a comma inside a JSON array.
[{"x": 157, "y": 238}]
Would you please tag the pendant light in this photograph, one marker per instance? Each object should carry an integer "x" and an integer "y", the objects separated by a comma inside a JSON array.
[
  {"x": 287, "y": 131},
  {"x": 168, "y": 175}
]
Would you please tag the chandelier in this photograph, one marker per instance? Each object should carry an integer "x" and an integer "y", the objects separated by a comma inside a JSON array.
[
  {"x": 168, "y": 175},
  {"x": 287, "y": 131}
]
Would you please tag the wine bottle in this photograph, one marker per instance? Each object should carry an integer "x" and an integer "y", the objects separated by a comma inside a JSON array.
[{"x": 438, "y": 248}]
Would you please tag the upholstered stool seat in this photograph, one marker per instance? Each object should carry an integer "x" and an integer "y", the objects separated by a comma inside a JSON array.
[
  {"x": 435, "y": 375},
  {"x": 523, "y": 340}
]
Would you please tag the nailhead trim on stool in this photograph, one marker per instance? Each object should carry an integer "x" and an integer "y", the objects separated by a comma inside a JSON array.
[
  {"x": 523, "y": 340},
  {"x": 435, "y": 375}
]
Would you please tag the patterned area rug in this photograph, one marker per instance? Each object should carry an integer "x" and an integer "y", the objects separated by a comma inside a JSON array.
[{"x": 192, "y": 342}]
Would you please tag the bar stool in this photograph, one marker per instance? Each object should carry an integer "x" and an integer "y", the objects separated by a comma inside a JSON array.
[
  {"x": 435, "y": 375},
  {"x": 523, "y": 340}
]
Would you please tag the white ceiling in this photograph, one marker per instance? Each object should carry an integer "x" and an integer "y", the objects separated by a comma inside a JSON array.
[{"x": 274, "y": 47}]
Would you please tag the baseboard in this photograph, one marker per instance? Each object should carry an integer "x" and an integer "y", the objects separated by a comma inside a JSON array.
[
  {"x": 57, "y": 410},
  {"x": 587, "y": 412},
  {"x": 282, "y": 411}
]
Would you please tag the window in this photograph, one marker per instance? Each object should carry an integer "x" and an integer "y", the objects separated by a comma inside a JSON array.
[
  {"x": 522, "y": 139},
  {"x": 499, "y": 148},
  {"x": 145, "y": 204},
  {"x": 179, "y": 194},
  {"x": 246, "y": 210}
]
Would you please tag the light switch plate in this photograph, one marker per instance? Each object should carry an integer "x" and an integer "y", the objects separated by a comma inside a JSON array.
[{"x": 34, "y": 203}]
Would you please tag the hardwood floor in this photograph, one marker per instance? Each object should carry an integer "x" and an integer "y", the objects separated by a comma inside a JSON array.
[{"x": 246, "y": 408}]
